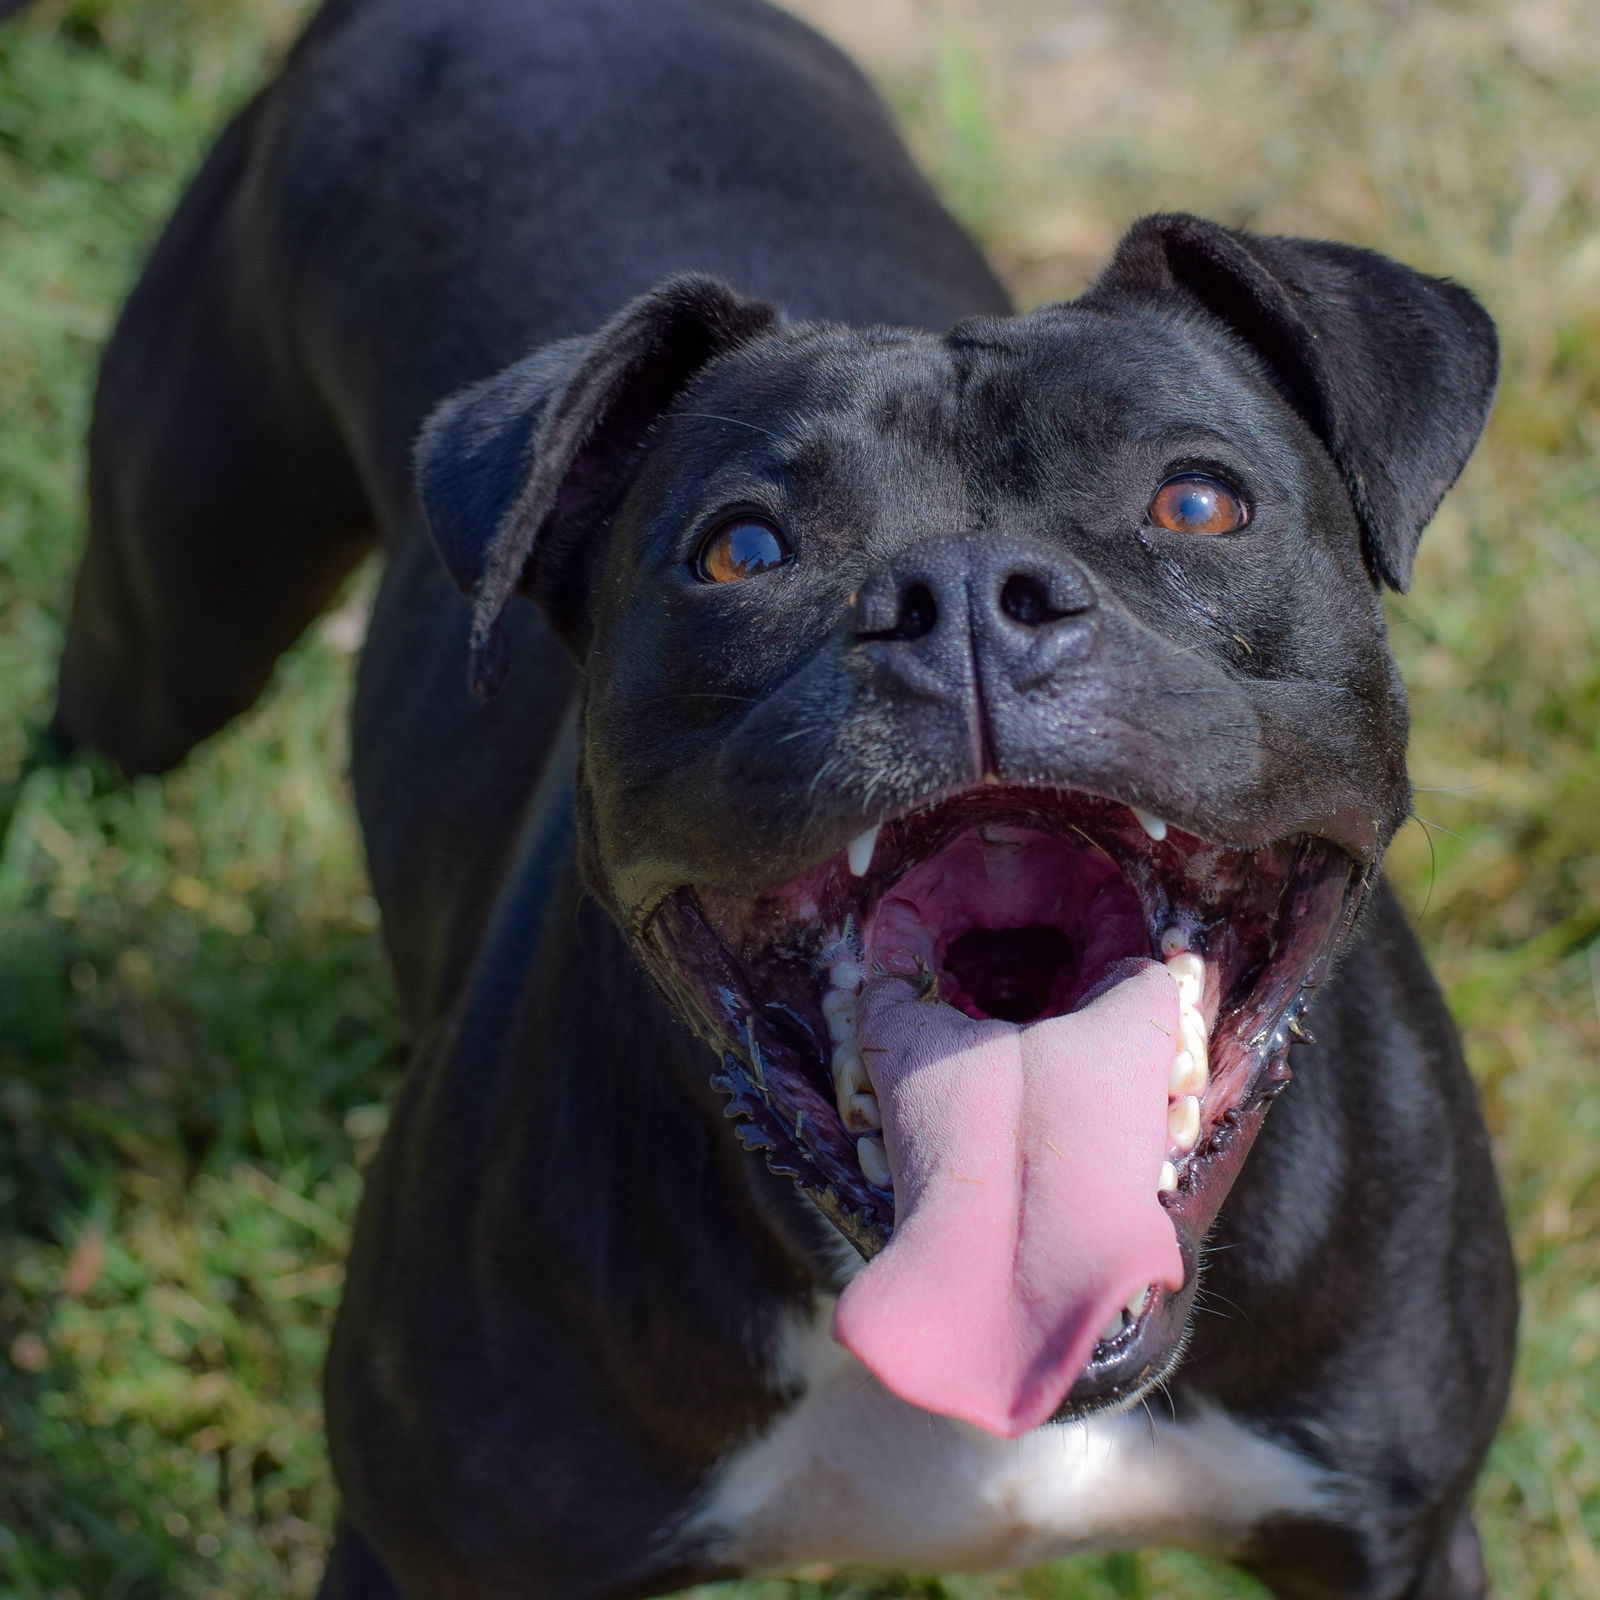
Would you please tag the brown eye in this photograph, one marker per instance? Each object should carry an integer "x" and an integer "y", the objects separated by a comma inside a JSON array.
[
  {"x": 741, "y": 549},
  {"x": 1194, "y": 503}
]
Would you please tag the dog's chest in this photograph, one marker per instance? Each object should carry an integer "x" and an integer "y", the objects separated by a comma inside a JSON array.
[{"x": 853, "y": 1476}]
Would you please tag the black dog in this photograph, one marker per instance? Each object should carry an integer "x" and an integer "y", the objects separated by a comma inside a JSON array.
[{"x": 944, "y": 762}]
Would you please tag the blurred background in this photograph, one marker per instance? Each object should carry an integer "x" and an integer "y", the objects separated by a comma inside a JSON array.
[{"x": 196, "y": 1033}]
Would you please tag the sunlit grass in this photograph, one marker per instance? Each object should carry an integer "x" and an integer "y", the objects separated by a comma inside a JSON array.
[{"x": 195, "y": 1031}]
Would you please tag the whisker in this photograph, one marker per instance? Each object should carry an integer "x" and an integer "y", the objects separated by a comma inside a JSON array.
[
  {"x": 664, "y": 696},
  {"x": 1433, "y": 874},
  {"x": 736, "y": 422},
  {"x": 1438, "y": 827},
  {"x": 805, "y": 731},
  {"x": 1210, "y": 1298}
]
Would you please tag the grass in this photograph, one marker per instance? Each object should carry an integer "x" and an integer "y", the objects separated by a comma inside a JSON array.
[{"x": 196, "y": 1034}]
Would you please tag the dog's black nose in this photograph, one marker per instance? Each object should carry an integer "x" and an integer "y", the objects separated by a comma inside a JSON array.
[{"x": 1016, "y": 607}]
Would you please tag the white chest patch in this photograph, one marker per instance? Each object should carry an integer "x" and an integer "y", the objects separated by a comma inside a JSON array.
[{"x": 854, "y": 1476}]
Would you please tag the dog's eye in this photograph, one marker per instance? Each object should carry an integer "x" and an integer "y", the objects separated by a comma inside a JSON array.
[
  {"x": 740, "y": 549},
  {"x": 1194, "y": 503}
]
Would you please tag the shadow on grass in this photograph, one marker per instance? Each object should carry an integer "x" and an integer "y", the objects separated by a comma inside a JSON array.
[{"x": 196, "y": 1032}]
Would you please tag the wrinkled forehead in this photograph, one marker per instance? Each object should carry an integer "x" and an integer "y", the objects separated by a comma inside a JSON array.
[{"x": 1005, "y": 404}]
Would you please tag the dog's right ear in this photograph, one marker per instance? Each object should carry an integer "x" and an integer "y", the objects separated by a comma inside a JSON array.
[{"x": 517, "y": 473}]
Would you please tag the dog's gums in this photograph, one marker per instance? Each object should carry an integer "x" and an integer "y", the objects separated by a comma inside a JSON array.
[{"x": 1017, "y": 1024}]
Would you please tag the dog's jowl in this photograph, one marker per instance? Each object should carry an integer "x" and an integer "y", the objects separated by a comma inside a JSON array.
[{"x": 870, "y": 796}]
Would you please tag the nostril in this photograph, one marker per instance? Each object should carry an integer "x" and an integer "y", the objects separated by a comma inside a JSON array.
[
  {"x": 915, "y": 618},
  {"x": 918, "y": 611},
  {"x": 1025, "y": 599}
]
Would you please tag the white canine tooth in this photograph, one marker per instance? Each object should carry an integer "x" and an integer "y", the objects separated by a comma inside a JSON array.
[
  {"x": 860, "y": 1114},
  {"x": 1172, "y": 941},
  {"x": 846, "y": 974},
  {"x": 861, "y": 848},
  {"x": 1154, "y": 826},
  {"x": 1136, "y": 1304},
  {"x": 1189, "y": 973},
  {"x": 839, "y": 1007},
  {"x": 874, "y": 1161},
  {"x": 1183, "y": 1121},
  {"x": 1112, "y": 1328},
  {"x": 1188, "y": 1074},
  {"x": 1167, "y": 1181}
]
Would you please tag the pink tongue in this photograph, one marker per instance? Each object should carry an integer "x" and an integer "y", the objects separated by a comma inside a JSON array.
[{"x": 1025, "y": 1163}]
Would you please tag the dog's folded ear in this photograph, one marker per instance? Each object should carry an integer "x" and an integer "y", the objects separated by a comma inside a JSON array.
[
  {"x": 1394, "y": 371},
  {"x": 516, "y": 472}
]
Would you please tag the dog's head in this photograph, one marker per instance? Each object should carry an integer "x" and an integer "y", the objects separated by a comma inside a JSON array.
[{"x": 987, "y": 740}]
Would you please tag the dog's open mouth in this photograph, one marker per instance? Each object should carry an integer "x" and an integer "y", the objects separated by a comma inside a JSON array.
[{"x": 1015, "y": 1044}]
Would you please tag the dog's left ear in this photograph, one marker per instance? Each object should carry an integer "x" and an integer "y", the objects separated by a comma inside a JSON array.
[
  {"x": 517, "y": 473},
  {"x": 1394, "y": 371}
]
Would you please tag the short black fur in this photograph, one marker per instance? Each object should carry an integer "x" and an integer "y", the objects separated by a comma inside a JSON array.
[{"x": 641, "y": 263}]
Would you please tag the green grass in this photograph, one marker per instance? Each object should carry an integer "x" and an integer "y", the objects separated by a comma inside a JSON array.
[{"x": 196, "y": 1034}]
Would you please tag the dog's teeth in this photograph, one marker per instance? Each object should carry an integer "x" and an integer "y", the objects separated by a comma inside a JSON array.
[
  {"x": 1112, "y": 1328},
  {"x": 846, "y": 975},
  {"x": 1192, "y": 1037},
  {"x": 861, "y": 848},
  {"x": 1136, "y": 1304},
  {"x": 1173, "y": 942},
  {"x": 860, "y": 1114},
  {"x": 852, "y": 1091},
  {"x": 1183, "y": 1121},
  {"x": 839, "y": 1007},
  {"x": 1154, "y": 826},
  {"x": 1167, "y": 1180},
  {"x": 1189, "y": 973},
  {"x": 849, "y": 1076},
  {"x": 874, "y": 1161},
  {"x": 1188, "y": 1075}
]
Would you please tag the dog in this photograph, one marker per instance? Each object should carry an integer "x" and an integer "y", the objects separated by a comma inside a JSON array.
[{"x": 862, "y": 787}]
